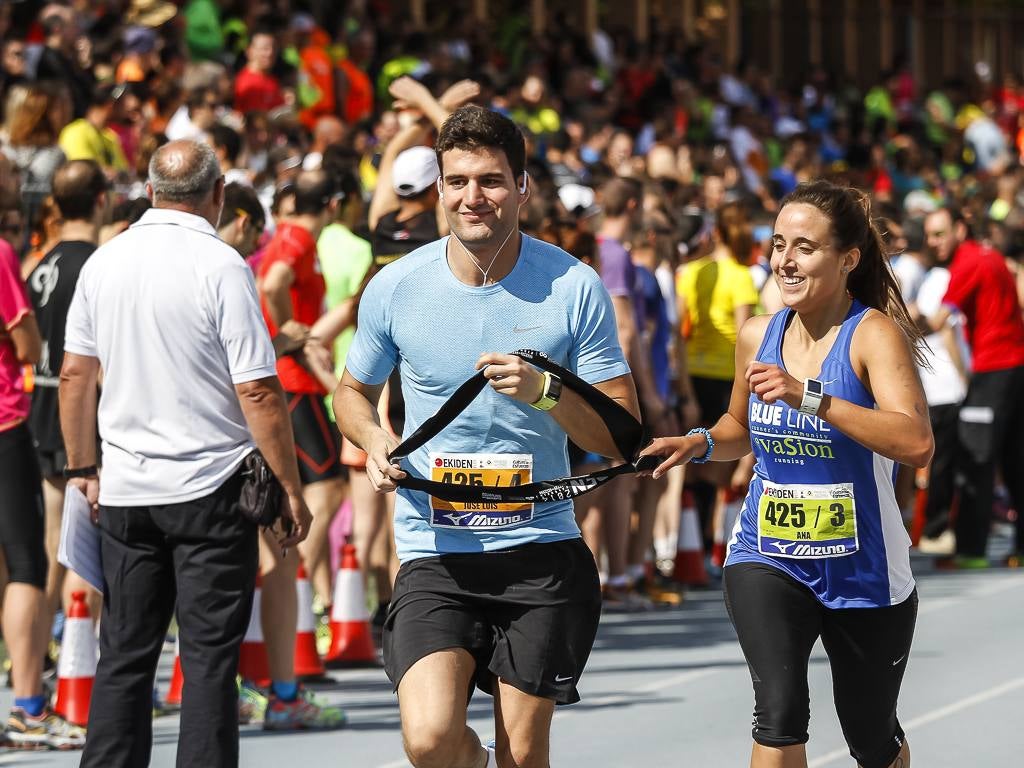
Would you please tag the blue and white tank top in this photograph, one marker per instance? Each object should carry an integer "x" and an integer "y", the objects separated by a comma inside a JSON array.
[{"x": 822, "y": 507}]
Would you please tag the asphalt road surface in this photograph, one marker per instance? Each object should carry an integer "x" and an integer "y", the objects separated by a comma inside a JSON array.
[{"x": 670, "y": 688}]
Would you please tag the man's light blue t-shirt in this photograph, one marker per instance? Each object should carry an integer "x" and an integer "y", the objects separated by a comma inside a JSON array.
[{"x": 415, "y": 314}]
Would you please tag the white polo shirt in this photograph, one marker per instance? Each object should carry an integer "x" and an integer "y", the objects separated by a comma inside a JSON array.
[{"x": 171, "y": 312}]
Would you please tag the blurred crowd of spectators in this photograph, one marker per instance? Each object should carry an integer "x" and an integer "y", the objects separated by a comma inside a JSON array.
[
  {"x": 273, "y": 83},
  {"x": 282, "y": 86}
]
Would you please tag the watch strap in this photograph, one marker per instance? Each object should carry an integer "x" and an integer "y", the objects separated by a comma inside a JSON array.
[
  {"x": 71, "y": 472},
  {"x": 546, "y": 401}
]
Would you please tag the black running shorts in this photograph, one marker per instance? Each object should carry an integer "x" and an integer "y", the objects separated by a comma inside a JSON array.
[
  {"x": 527, "y": 615},
  {"x": 22, "y": 521},
  {"x": 778, "y": 620},
  {"x": 52, "y": 463},
  {"x": 317, "y": 442},
  {"x": 713, "y": 396}
]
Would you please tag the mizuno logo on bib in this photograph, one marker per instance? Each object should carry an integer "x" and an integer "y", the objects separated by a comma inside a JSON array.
[
  {"x": 503, "y": 470},
  {"x": 807, "y": 521}
]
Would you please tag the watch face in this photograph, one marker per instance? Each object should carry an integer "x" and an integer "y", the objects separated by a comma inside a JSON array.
[
  {"x": 815, "y": 387},
  {"x": 555, "y": 390}
]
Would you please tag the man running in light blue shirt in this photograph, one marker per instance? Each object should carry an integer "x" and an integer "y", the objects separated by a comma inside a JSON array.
[{"x": 505, "y": 596}]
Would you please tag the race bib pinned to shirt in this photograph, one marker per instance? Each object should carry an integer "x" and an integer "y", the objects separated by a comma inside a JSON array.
[
  {"x": 504, "y": 470},
  {"x": 807, "y": 521}
]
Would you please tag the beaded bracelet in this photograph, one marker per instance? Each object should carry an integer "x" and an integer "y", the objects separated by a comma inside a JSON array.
[{"x": 711, "y": 444}]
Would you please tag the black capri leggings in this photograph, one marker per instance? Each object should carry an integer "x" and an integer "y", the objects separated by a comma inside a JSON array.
[
  {"x": 778, "y": 620},
  {"x": 22, "y": 520}
]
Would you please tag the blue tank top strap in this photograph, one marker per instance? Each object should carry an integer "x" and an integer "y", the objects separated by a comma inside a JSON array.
[
  {"x": 768, "y": 352},
  {"x": 841, "y": 348}
]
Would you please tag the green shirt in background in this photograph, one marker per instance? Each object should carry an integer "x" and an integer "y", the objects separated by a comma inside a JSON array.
[{"x": 344, "y": 261}]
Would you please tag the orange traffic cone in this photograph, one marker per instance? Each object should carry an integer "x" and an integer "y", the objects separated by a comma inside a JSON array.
[
  {"x": 689, "y": 567},
  {"x": 77, "y": 666},
  {"x": 351, "y": 641},
  {"x": 730, "y": 504},
  {"x": 307, "y": 661},
  {"x": 252, "y": 660},
  {"x": 177, "y": 679}
]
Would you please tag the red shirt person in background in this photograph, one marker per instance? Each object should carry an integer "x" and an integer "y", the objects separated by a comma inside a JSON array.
[
  {"x": 992, "y": 416},
  {"x": 255, "y": 87},
  {"x": 292, "y": 292}
]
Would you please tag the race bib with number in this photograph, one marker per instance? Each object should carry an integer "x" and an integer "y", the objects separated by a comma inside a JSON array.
[
  {"x": 807, "y": 521},
  {"x": 493, "y": 469}
]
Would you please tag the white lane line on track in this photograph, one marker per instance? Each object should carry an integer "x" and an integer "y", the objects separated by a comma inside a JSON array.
[
  {"x": 607, "y": 700},
  {"x": 930, "y": 717}
]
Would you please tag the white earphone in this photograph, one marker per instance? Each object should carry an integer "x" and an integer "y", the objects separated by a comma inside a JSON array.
[{"x": 522, "y": 185}]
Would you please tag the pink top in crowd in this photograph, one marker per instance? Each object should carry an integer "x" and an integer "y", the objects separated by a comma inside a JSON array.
[{"x": 14, "y": 306}]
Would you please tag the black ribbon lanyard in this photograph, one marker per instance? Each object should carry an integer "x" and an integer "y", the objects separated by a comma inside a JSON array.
[{"x": 628, "y": 433}]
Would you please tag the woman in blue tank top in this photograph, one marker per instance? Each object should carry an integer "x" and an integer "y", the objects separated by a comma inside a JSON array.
[{"x": 828, "y": 398}]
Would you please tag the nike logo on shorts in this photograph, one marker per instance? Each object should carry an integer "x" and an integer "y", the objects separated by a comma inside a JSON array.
[
  {"x": 901, "y": 658},
  {"x": 562, "y": 678}
]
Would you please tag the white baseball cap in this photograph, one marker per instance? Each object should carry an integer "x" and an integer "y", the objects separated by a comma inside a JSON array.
[{"x": 414, "y": 170}]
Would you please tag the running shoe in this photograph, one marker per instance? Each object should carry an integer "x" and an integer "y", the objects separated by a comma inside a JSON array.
[
  {"x": 624, "y": 600},
  {"x": 660, "y": 595},
  {"x": 492, "y": 757},
  {"x": 303, "y": 714},
  {"x": 944, "y": 544},
  {"x": 49, "y": 730},
  {"x": 252, "y": 704}
]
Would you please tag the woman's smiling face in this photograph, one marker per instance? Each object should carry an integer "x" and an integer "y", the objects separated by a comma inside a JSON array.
[{"x": 805, "y": 260}]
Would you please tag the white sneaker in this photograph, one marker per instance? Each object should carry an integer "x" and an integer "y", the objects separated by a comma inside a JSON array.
[
  {"x": 492, "y": 758},
  {"x": 943, "y": 544}
]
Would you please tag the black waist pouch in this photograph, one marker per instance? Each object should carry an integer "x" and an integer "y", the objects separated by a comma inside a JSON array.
[{"x": 262, "y": 496}]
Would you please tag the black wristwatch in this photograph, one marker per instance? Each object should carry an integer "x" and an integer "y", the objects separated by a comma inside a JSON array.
[{"x": 90, "y": 471}]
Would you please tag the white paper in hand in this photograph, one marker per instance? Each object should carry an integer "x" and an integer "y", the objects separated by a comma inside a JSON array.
[{"x": 79, "y": 547}]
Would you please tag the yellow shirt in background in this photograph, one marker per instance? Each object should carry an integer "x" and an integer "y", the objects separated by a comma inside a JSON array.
[
  {"x": 713, "y": 289},
  {"x": 81, "y": 140}
]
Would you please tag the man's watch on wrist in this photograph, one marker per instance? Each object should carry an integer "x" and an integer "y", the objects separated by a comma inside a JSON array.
[
  {"x": 550, "y": 394},
  {"x": 814, "y": 393},
  {"x": 90, "y": 471}
]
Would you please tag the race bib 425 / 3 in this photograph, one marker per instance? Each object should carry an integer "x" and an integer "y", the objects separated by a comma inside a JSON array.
[{"x": 807, "y": 521}]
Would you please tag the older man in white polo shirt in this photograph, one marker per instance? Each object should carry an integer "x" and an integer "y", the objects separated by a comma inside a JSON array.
[{"x": 170, "y": 314}]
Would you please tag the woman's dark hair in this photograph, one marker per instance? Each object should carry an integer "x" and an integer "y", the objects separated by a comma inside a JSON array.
[
  {"x": 471, "y": 127},
  {"x": 872, "y": 281}
]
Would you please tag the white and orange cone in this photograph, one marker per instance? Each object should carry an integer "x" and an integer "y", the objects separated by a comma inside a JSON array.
[
  {"x": 689, "y": 566},
  {"x": 308, "y": 663},
  {"x": 730, "y": 504},
  {"x": 252, "y": 659},
  {"x": 351, "y": 639},
  {"x": 177, "y": 679},
  {"x": 76, "y": 669}
]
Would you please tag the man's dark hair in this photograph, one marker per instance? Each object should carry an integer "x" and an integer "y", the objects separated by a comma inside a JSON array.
[
  {"x": 242, "y": 199},
  {"x": 313, "y": 192},
  {"x": 616, "y": 194},
  {"x": 471, "y": 127},
  {"x": 130, "y": 211},
  {"x": 77, "y": 186},
  {"x": 226, "y": 138}
]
